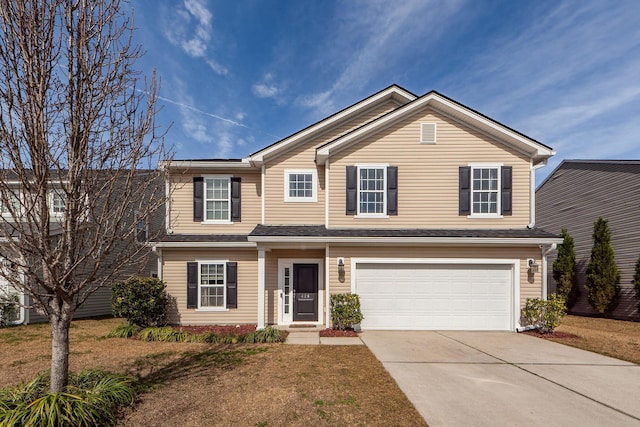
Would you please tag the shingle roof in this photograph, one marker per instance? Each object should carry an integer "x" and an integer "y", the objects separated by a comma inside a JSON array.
[
  {"x": 322, "y": 231},
  {"x": 204, "y": 238}
]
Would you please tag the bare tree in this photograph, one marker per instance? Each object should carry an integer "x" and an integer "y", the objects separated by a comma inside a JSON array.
[{"x": 79, "y": 151}]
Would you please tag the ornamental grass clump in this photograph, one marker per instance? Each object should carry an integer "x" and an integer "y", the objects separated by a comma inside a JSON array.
[{"x": 92, "y": 398}]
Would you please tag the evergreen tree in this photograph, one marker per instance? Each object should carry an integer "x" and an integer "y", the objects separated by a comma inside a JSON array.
[
  {"x": 564, "y": 268},
  {"x": 603, "y": 276},
  {"x": 636, "y": 281}
]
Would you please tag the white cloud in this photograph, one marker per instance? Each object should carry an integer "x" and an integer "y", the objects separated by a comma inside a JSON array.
[
  {"x": 190, "y": 28},
  {"x": 266, "y": 88}
]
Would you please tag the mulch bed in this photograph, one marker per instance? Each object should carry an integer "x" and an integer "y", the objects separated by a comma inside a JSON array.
[
  {"x": 338, "y": 333},
  {"x": 239, "y": 330},
  {"x": 555, "y": 334}
]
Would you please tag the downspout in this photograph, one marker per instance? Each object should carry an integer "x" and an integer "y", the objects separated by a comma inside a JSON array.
[
  {"x": 158, "y": 253},
  {"x": 532, "y": 195},
  {"x": 167, "y": 205}
]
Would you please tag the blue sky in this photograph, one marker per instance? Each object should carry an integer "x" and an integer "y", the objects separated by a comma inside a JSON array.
[{"x": 239, "y": 75}]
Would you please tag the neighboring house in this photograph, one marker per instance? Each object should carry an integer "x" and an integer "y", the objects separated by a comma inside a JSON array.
[
  {"x": 418, "y": 204},
  {"x": 573, "y": 196},
  {"x": 99, "y": 302}
]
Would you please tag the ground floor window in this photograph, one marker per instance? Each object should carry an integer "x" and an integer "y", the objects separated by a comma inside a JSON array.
[{"x": 212, "y": 285}]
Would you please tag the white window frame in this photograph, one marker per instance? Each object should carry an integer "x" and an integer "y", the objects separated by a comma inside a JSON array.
[
  {"x": 314, "y": 185},
  {"x": 498, "y": 167},
  {"x": 57, "y": 192},
  {"x": 204, "y": 200},
  {"x": 18, "y": 208},
  {"x": 382, "y": 214},
  {"x": 435, "y": 133},
  {"x": 224, "y": 285}
]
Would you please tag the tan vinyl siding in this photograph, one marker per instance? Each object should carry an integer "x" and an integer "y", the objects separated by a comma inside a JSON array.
[
  {"x": 428, "y": 175},
  {"x": 302, "y": 156},
  {"x": 530, "y": 287},
  {"x": 181, "y": 204},
  {"x": 271, "y": 277},
  {"x": 175, "y": 276}
]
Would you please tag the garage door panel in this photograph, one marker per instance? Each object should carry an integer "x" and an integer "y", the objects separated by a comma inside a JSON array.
[{"x": 435, "y": 296}]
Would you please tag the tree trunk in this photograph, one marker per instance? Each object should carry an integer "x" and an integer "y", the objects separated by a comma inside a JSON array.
[{"x": 60, "y": 324}]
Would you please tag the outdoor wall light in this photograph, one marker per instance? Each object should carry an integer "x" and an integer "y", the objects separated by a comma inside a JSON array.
[
  {"x": 533, "y": 267},
  {"x": 341, "y": 265}
]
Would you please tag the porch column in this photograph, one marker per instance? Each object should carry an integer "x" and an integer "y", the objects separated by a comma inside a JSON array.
[{"x": 261, "y": 288}]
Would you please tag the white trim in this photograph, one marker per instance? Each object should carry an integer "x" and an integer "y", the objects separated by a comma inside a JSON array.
[
  {"x": 384, "y": 168},
  {"x": 362, "y": 105},
  {"x": 261, "y": 289},
  {"x": 288, "y": 262},
  {"x": 206, "y": 164},
  {"x": 435, "y": 133},
  {"x": 438, "y": 102},
  {"x": 205, "y": 245},
  {"x": 167, "y": 204},
  {"x": 204, "y": 200},
  {"x": 263, "y": 173},
  {"x": 327, "y": 291},
  {"x": 159, "y": 260},
  {"x": 327, "y": 168},
  {"x": 514, "y": 320},
  {"x": 498, "y": 167},
  {"x": 528, "y": 241},
  {"x": 314, "y": 185},
  {"x": 224, "y": 285}
]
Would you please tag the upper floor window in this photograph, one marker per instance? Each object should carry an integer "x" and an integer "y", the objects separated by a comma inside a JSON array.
[
  {"x": 371, "y": 190},
  {"x": 217, "y": 199},
  {"x": 485, "y": 190},
  {"x": 58, "y": 203},
  {"x": 11, "y": 205},
  {"x": 300, "y": 185}
]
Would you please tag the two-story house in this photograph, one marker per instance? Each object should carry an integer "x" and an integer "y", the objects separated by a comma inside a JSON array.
[{"x": 422, "y": 206}]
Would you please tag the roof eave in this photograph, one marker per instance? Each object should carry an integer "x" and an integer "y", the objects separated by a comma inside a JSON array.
[
  {"x": 205, "y": 245},
  {"x": 501, "y": 241}
]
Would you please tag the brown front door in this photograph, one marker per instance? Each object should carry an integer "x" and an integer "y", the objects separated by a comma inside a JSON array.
[{"x": 305, "y": 288}]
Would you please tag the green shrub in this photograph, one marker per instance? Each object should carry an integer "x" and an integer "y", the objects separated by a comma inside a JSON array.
[
  {"x": 142, "y": 301},
  {"x": 564, "y": 268},
  {"x": 91, "y": 398},
  {"x": 345, "y": 311},
  {"x": 9, "y": 306},
  {"x": 545, "y": 315},
  {"x": 603, "y": 276}
]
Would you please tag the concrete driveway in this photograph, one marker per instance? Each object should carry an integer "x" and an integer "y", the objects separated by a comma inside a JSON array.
[{"x": 507, "y": 379}]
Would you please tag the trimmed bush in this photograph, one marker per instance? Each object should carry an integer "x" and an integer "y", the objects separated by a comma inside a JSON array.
[
  {"x": 564, "y": 268},
  {"x": 142, "y": 301},
  {"x": 345, "y": 311},
  {"x": 603, "y": 276},
  {"x": 92, "y": 398},
  {"x": 545, "y": 315}
]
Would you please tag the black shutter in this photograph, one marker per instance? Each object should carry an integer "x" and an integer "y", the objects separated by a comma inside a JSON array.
[
  {"x": 192, "y": 285},
  {"x": 232, "y": 285},
  {"x": 464, "y": 190},
  {"x": 352, "y": 190},
  {"x": 392, "y": 190},
  {"x": 235, "y": 198},
  {"x": 506, "y": 192},
  {"x": 198, "y": 199}
]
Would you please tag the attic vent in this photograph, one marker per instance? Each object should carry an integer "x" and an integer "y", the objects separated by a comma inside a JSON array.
[{"x": 428, "y": 133}]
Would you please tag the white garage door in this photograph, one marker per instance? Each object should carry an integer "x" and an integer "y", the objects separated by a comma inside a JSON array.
[{"x": 435, "y": 296}]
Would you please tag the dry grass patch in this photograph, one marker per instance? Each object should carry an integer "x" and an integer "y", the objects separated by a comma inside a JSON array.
[
  {"x": 615, "y": 338},
  {"x": 212, "y": 384}
]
